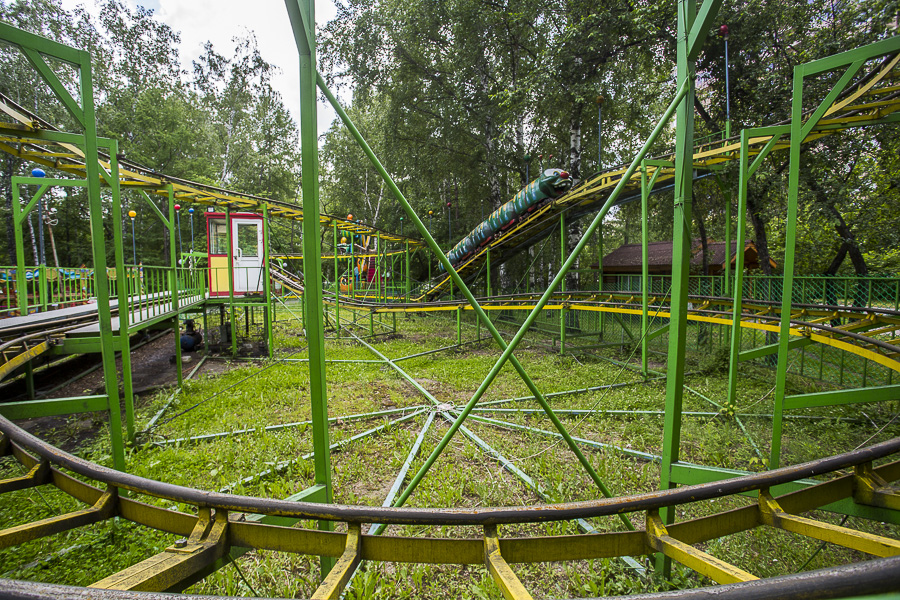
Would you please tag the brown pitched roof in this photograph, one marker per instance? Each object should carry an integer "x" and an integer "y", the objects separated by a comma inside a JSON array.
[{"x": 627, "y": 258}]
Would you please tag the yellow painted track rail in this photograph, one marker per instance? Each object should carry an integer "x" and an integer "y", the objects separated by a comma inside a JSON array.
[
  {"x": 866, "y": 332},
  {"x": 23, "y": 137}
]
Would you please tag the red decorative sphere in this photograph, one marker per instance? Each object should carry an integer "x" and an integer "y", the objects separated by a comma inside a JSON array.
[
  {"x": 723, "y": 31},
  {"x": 177, "y": 207}
]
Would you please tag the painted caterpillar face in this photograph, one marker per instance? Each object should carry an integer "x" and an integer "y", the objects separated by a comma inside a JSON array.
[
  {"x": 554, "y": 182},
  {"x": 560, "y": 178}
]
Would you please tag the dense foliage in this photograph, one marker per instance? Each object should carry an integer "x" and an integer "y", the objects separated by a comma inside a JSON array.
[
  {"x": 457, "y": 94},
  {"x": 221, "y": 122},
  {"x": 464, "y": 100}
]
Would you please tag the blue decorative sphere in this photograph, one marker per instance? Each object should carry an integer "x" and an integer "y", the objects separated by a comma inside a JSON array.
[
  {"x": 191, "y": 210},
  {"x": 38, "y": 173}
]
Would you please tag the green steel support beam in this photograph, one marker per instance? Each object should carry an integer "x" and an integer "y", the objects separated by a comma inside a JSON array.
[
  {"x": 98, "y": 237},
  {"x": 562, "y": 283},
  {"x": 302, "y": 16},
  {"x": 267, "y": 282},
  {"x": 124, "y": 341},
  {"x": 681, "y": 241},
  {"x": 744, "y": 174},
  {"x": 834, "y": 397},
  {"x": 768, "y": 349},
  {"x": 488, "y": 270},
  {"x": 337, "y": 285},
  {"x": 173, "y": 285},
  {"x": 645, "y": 267},
  {"x": 49, "y": 408},
  {"x": 155, "y": 209},
  {"x": 855, "y": 59},
  {"x": 646, "y": 186},
  {"x": 230, "y": 267},
  {"x": 700, "y": 26}
]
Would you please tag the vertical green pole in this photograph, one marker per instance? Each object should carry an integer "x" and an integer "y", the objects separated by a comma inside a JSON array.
[
  {"x": 29, "y": 380},
  {"x": 406, "y": 268},
  {"x": 562, "y": 283},
  {"x": 531, "y": 274},
  {"x": 681, "y": 257},
  {"x": 459, "y": 325},
  {"x": 562, "y": 248},
  {"x": 205, "y": 331},
  {"x": 738, "y": 250},
  {"x": 122, "y": 291},
  {"x": 600, "y": 271},
  {"x": 790, "y": 239},
  {"x": 379, "y": 271},
  {"x": 21, "y": 281},
  {"x": 42, "y": 282},
  {"x": 488, "y": 271},
  {"x": 353, "y": 264},
  {"x": 173, "y": 283},
  {"x": 737, "y": 308},
  {"x": 98, "y": 247},
  {"x": 337, "y": 284},
  {"x": 233, "y": 327},
  {"x": 267, "y": 283},
  {"x": 302, "y": 14},
  {"x": 645, "y": 268}
]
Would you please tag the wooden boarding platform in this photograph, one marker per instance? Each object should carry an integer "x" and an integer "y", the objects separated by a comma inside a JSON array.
[
  {"x": 40, "y": 320},
  {"x": 153, "y": 309}
]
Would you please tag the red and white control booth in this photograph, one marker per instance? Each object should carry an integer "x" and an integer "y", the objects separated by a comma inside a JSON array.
[{"x": 246, "y": 238}]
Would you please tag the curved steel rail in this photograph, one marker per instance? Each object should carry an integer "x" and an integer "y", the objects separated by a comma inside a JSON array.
[{"x": 216, "y": 532}]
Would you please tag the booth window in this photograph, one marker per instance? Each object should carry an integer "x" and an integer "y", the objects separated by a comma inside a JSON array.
[
  {"x": 248, "y": 239},
  {"x": 219, "y": 231}
]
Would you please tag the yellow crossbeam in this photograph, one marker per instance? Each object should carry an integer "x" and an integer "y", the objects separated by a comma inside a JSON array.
[
  {"x": 343, "y": 570},
  {"x": 869, "y": 488},
  {"x": 104, "y": 508},
  {"x": 658, "y": 539},
  {"x": 503, "y": 575},
  {"x": 38, "y": 475},
  {"x": 173, "y": 567},
  {"x": 770, "y": 513}
]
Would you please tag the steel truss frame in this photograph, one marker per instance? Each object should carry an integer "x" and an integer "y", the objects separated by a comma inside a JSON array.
[{"x": 210, "y": 538}]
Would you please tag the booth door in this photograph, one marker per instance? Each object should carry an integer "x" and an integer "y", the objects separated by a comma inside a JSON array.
[{"x": 247, "y": 237}]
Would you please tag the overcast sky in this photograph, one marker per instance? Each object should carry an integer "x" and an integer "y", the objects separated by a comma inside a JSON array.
[{"x": 221, "y": 20}]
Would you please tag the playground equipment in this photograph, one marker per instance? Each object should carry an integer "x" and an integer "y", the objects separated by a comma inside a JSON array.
[{"x": 864, "y": 331}]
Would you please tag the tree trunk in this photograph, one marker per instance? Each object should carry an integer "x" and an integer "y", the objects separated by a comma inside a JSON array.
[
  {"x": 573, "y": 235},
  {"x": 575, "y": 142},
  {"x": 838, "y": 260},
  {"x": 704, "y": 245},
  {"x": 34, "y": 245},
  {"x": 754, "y": 207},
  {"x": 850, "y": 246},
  {"x": 9, "y": 168}
]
